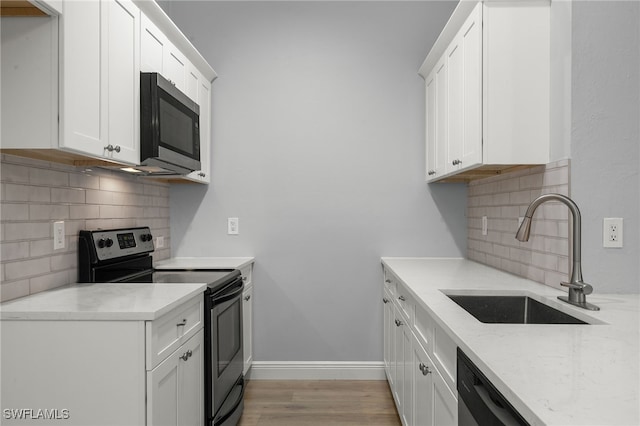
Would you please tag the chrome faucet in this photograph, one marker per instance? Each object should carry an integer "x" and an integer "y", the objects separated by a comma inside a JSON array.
[{"x": 578, "y": 289}]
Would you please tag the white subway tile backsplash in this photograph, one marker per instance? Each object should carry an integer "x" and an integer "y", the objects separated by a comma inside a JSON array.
[
  {"x": 48, "y": 211},
  {"x": 26, "y": 268},
  {"x": 13, "y": 251},
  {"x": 13, "y": 290},
  {"x": 36, "y": 193},
  {"x": 85, "y": 211},
  {"x": 26, "y": 231},
  {"x": 67, "y": 195},
  {"x": 505, "y": 198},
  {"x": 14, "y": 173},
  {"x": 52, "y": 280},
  {"x": 53, "y": 178}
]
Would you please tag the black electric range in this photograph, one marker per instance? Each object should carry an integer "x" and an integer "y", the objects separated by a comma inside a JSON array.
[{"x": 124, "y": 256}]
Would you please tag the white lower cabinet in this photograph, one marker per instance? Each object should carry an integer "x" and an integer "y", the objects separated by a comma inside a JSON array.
[
  {"x": 106, "y": 372},
  {"x": 435, "y": 404},
  {"x": 422, "y": 396},
  {"x": 247, "y": 317},
  {"x": 247, "y": 321},
  {"x": 174, "y": 398}
]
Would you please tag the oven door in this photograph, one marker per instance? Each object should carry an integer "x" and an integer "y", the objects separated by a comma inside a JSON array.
[{"x": 226, "y": 349}]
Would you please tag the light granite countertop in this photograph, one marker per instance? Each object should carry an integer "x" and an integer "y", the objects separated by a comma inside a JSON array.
[
  {"x": 204, "y": 263},
  {"x": 552, "y": 374},
  {"x": 115, "y": 302}
]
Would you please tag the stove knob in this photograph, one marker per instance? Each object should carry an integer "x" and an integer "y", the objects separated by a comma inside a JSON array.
[
  {"x": 101, "y": 243},
  {"x": 149, "y": 237},
  {"x": 108, "y": 242},
  {"x": 143, "y": 237}
]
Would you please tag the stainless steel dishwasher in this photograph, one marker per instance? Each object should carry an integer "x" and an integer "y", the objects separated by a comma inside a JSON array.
[{"x": 479, "y": 402}]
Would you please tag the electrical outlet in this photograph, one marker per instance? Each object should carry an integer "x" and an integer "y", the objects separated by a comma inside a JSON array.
[
  {"x": 159, "y": 242},
  {"x": 484, "y": 225},
  {"x": 58, "y": 235},
  {"x": 233, "y": 226},
  {"x": 612, "y": 232}
]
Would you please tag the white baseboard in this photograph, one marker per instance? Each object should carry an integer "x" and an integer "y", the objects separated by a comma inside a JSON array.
[{"x": 316, "y": 370}]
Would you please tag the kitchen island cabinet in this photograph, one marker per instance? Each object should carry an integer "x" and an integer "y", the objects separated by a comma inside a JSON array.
[
  {"x": 546, "y": 371},
  {"x": 105, "y": 354}
]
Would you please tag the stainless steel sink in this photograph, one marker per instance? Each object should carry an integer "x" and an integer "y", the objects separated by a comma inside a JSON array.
[{"x": 512, "y": 310}]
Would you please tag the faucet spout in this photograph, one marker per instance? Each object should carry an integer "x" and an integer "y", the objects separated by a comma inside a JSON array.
[{"x": 577, "y": 287}]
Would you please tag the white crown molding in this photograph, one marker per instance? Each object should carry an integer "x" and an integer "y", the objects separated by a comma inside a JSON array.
[{"x": 316, "y": 370}]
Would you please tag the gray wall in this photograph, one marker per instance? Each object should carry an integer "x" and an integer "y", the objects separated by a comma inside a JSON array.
[
  {"x": 606, "y": 136},
  {"x": 318, "y": 148}
]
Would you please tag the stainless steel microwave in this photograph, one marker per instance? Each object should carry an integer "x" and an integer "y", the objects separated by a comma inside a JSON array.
[{"x": 169, "y": 128}]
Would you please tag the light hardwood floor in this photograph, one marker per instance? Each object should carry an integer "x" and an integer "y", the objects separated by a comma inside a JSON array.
[{"x": 325, "y": 402}]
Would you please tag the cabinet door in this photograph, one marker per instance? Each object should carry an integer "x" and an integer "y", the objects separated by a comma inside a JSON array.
[
  {"x": 152, "y": 46},
  {"x": 99, "y": 93},
  {"x": 455, "y": 104},
  {"x": 408, "y": 376},
  {"x": 162, "y": 392},
  {"x": 430, "y": 129},
  {"x": 174, "y": 66},
  {"x": 122, "y": 45},
  {"x": 435, "y": 403},
  {"x": 191, "y": 382},
  {"x": 423, "y": 390},
  {"x": 398, "y": 358},
  {"x": 175, "y": 387},
  {"x": 441, "y": 127},
  {"x": 204, "y": 102},
  {"x": 82, "y": 92},
  {"x": 387, "y": 325},
  {"x": 470, "y": 151},
  {"x": 247, "y": 327},
  {"x": 192, "y": 83},
  {"x": 445, "y": 402}
]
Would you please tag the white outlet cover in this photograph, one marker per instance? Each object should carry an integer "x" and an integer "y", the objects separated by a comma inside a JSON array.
[
  {"x": 612, "y": 232},
  {"x": 58, "y": 235},
  {"x": 159, "y": 242},
  {"x": 233, "y": 226}
]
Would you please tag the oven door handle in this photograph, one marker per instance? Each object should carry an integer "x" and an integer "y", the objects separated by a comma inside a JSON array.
[{"x": 232, "y": 292}]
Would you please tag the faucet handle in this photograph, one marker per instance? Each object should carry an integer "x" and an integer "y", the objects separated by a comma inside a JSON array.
[{"x": 580, "y": 286}]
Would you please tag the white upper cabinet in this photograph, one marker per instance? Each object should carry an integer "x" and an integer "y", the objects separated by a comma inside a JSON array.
[
  {"x": 487, "y": 90},
  {"x": 100, "y": 94},
  {"x": 71, "y": 82},
  {"x": 89, "y": 56},
  {"x": 159, "y": 54}
]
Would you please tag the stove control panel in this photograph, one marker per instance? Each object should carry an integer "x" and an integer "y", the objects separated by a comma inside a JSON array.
[{"x": 115, "y": 243}]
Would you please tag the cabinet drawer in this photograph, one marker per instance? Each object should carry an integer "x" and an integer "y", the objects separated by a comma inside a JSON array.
[
  {"x": 391, "y": 283},
  {"x": 168, "y": 332},
  {"x": 424, "y": 328},
  {"x": 444, "y": 355},
  {"x": 246, "y": 275},
  {"x": 406, "y": 304}
]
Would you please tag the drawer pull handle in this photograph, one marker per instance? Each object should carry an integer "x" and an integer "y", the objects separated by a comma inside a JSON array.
[
  {"x": 385, "y": 300},
  {"x": 425, "y": 370},
  {"x": 388, "y": 281},
  {"x": 402, "y": 298},
  {"x": 247, "y": 297},
  {"x": 185, "y": 356},
  {"x": 398, "y": 323},
  {"x": 183, "y": 323}
]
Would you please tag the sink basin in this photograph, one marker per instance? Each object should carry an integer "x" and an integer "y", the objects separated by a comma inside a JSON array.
[{"x": 512, "y": 310}]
